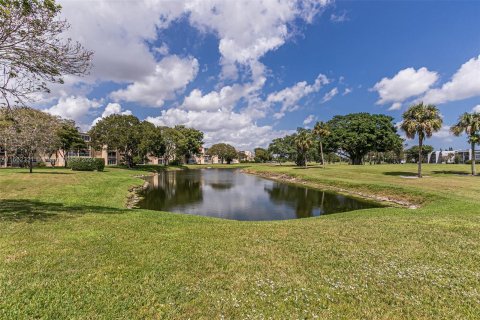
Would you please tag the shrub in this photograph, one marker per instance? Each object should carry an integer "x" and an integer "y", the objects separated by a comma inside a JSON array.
[
  {"x": 86, "y": 164},
  {"x": 175, "y": 162},
  {"x": 100, "y": 164},
  {"x": 138, "y": 160},
  {"x": 457, "y": 159}
]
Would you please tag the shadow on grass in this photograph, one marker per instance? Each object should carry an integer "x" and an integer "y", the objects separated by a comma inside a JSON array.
[
  {"x": 24, "y": 210},
  {"x": 457, "y": 172},
  {"x": 44, "y": 172},
  {"x": 400, "y": 173},
  {"x": 310, "y": 167}
]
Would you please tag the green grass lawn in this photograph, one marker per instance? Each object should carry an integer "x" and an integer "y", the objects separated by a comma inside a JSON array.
[{"x": 69, "y": 249}]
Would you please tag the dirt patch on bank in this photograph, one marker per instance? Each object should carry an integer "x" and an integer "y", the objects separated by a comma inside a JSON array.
[
  {"x": 134, "y": 193},
  {"x": 290, "y": 179}
]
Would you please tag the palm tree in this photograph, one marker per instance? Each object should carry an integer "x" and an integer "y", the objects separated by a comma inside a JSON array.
[
  {"x": 422, "y": 120},
  {"x": 470, "y": 124},
  {"x": 304, "y": 142},
  {"x": 321, "y": 130}
]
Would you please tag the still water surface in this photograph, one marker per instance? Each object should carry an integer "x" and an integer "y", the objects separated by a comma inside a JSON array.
[{"x": 231, "y": 194}]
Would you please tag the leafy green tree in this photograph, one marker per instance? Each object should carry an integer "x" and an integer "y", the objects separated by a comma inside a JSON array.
[
  {"x": 189, "y": 142},
  {"x": 332, "y": 157},
  {"x": 262, "y": 155},
  {"x": 224, "y": 151},
  {"x": 282, "y": 149},
  {"x": 413, "y": 153},
  {"x": 357, "y": 134},
  {"x": 34, "y": 50},
  {"x": 321, "y": 131},
  {"x": 120, "y": 132},
  {"x": 242, "y": 156},
  {"x": 70, "y": 139},
  {"x": 470, "y": 124},
  {"x": 152, "y": 141},
  {"x": 171, "y": 138},
  {"x": 421, "y": 120},
  {"x": 30, "y": 133},
  {"x": 303, "y": 142},
  {"x": 393, "y": 156}
]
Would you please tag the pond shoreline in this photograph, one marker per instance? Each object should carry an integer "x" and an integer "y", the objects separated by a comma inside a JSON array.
[
  {"x": 286, "y": 178},
  {"x": 275, "y": 202},
  {"x": 135, "y": 193}
]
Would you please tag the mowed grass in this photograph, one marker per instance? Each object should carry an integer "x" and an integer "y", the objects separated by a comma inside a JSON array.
[{"x": 69, "y": 249}]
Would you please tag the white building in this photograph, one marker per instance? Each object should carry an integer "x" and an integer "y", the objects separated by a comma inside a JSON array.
[{"x": 448, "y": 156}]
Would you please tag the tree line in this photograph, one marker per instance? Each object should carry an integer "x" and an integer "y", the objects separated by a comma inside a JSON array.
[
  {"x": 26, "y": 133},
  {"x": 137, "y": 140},
  {"x": 361, "y": 137},
  {"x": 352, "y": 136}
]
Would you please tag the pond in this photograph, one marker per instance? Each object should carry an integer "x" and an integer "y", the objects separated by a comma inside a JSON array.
[{"x": 231, "y": 194}]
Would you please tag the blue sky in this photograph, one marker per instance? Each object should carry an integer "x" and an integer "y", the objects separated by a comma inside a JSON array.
[{"x": 247, "y": 71}]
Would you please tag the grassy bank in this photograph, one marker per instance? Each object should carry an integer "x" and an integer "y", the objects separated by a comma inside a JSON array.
[{"x": 69, "y": 249}]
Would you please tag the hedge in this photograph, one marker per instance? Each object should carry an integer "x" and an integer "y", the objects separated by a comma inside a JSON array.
[
  {"x": 100, "y": 164},
  {"x": 86, "y": 164}
]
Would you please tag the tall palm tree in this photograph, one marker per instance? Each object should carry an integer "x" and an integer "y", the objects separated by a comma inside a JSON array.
[
  {"x": 470, "y": 124},
  {"x": 304, "y": 142},
  {"x": 422, "y": 120},
  {"x": 321, "y": 130}
]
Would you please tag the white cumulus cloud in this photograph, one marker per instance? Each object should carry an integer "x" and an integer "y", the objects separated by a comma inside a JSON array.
[
  {"x": 395, "y": 106},
  {"x": 289, "y": 97},
  {"x": 76, "y": 108},
  {"x": 111, "y": 108},
  {"x": 309, "y": 119},
  {"x": 171, "y": 75},
  {"x": 226, "y": 126},
  {"x": 405, "y": 84},
  {"x": 119, "y": 31},
  {"x": 225, "y": 98},
  {"x": 465, "y": 83},
  {"x": 247, "y": 29}
]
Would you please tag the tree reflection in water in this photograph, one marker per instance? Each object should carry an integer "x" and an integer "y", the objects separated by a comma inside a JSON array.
[
  {"x": 311, "y": 202},
  {"x": 230, "y": 194},
  {"x": 167, "y": 190}
]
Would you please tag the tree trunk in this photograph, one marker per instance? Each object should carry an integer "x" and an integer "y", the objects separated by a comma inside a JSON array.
[
  {"x": 305, "y": 159},
  {"x": 420, "y": 147},
  {"x": 356, "y": 160},
  {"x": 474, "y": 171},
  {"x": 30, "y": 165},
  {"x": 321, "y": 154}
]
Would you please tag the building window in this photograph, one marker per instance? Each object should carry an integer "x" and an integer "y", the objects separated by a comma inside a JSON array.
[
  {"x": 84, "y": 153},
  {"x": 112, "y": 158}
]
